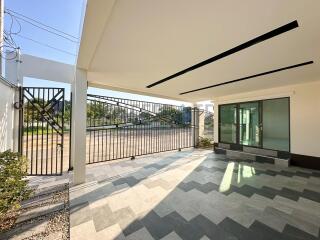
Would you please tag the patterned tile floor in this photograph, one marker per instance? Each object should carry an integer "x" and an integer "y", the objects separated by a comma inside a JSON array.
[{"x": 195, "y": 194}]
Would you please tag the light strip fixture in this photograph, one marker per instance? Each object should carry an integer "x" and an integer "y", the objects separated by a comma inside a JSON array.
[
  {"x": 252, "y": 76},
  {"x": 250, "y": 43}
]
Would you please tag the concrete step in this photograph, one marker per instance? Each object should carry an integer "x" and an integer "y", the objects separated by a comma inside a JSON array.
[
  {"x": 25, "y": 230},
  {"x": 40, "y": 211},
  {"x": 48, "y": 190}
]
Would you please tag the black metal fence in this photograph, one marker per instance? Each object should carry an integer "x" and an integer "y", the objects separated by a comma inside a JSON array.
[
  {"x": 42, "y": 129},
  {"x": 116, "y": 128},
  {"x": 121, "y": 128}
]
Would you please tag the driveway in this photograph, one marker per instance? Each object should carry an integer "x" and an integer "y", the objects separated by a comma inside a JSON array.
[{"x": 195, "y": 194}]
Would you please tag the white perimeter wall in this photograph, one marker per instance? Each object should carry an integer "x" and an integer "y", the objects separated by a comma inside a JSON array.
[
  {"x": 304, "y": 113},
  {"x": 6, "y": 116}
]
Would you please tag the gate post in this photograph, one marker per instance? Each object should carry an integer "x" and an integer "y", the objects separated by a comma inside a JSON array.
[
  {"x": 202, "y": 115},
  {"x": 12, "y": 66},
  {"x": 79, "y": 121}
]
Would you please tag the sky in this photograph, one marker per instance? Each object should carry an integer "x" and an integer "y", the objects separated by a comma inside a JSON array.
[{"x": 64, "y": 15}]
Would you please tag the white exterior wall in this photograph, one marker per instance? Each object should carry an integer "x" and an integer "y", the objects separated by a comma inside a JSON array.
[
  {"x": 9, "y": 117},
  {"x": 7, "y": 99},
  {"x": 201, "y": 123},
  {"x": 304, "y": 114},
  {"x": 41, "y": 68}
]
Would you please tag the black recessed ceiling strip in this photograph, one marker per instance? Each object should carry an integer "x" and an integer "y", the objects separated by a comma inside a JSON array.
[
  {"x": 264, "y": 37},
  {"x": 252, "y": 76}
]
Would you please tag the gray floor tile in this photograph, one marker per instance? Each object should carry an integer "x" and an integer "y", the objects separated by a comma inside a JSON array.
[
  {"x": 267, "y": 233},
  {"x": 211, "y": 230},
  {"x": 314, "y": 196},
  {"x": 156, "y": 226},
  {"x": 239, "y": 231},
  {"x": 295, "y": 221},
  {"x": 183, "y": 228},
  {"x": 79, "y": 214},
  {"x": 294, "y": 232},
  {"x": 180, "y": 199}
]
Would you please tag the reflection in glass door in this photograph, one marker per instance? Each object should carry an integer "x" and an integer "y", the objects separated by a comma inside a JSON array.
[
  {"x": 228, "y": 123},
  {"x": 276, "y": 128},
  {"x": 249, "y": 124}
]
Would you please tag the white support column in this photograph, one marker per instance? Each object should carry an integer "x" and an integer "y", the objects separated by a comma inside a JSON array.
[
  {"x": 12, "y": 75},
  {"x": 202, "y": 115},
  {"x": 79, "y": 118}
]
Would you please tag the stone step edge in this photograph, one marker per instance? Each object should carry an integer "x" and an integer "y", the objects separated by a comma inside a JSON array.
[
  {"x": 49, "y": 190},
  {"x": 278, "y": 161},
  {"x": 34, "y": 216}
]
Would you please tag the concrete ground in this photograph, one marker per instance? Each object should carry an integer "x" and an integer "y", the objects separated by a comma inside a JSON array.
[{"x": 195, "y": 194}]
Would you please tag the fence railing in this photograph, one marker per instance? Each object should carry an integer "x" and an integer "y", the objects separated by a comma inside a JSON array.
[{"x": 121, "y": 128}]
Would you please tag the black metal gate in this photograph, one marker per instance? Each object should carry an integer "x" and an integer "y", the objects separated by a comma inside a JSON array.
[
  {"x": 121, "y": 128},
  {"x": 42, "y": 129}
]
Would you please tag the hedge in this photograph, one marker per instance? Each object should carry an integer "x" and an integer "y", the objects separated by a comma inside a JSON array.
[{"x": 13, "y": 185}]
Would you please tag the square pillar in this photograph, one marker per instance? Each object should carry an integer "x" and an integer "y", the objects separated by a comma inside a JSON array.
[
  {"x": 202, "y": 115},
  {"x": 12, "y": 65},
  {"x": 79, "y": 122}
]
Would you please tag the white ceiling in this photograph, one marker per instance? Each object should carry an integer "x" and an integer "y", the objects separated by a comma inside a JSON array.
[{"x": 129, "y": 44}]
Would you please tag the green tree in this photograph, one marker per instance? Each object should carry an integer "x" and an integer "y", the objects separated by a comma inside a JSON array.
[
  {"x": 102, "y": 114},
  {"x": 170, "y": 115}
]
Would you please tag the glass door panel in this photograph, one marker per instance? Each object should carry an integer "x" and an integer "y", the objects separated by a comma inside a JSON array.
[
  {"x": 276, "y": 130},
  {"x": 228, "y": 123},
  {"x": 249, "y": 124}
]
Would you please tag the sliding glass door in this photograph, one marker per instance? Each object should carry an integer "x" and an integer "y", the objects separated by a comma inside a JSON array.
[
  {"x": 249, "y": 124},
  {"x": 262, "y": 124}
]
